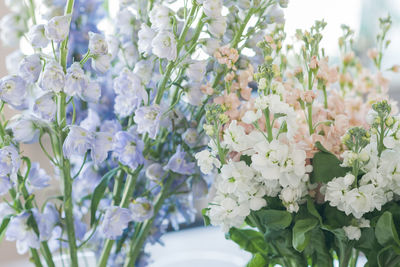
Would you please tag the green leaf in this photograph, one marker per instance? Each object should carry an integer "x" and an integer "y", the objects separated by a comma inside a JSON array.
[
  {"x": 205, "y": 217},
  {"x": 257, "y": 261},
  {"x": 249, "y": 240},
  {"x": 385, "y": 230},
  {"x": 319, "y": 250},
  {"x": 389, "y": 257},
  {"x": 302, "y": 234},
  {"x": 246, "y": 159},
  {"x": 3, "y": 226},
  {"x": 313, "y": 210},
  {"x": 98, "y": 193},
  {"x": 274, "y": 219}
]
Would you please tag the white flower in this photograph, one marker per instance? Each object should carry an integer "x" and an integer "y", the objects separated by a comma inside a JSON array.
[
  {"x": 235, "y": 137},
  {"x": 113, "y": 45},
  {"x": 57, "y": 28},
  {"x": 211, "y": 45},
  {"x": 37, "y": 37},
  {"x": 130, "y": 53},
  {"x": 53, "y": 77},
  {"x": 75, "y": 81},
  {"x": 30, "y": 68},
  {"x": 97, "y": 44},
  {"x": 196, "y": 70},
  {"x": 146, "y": 36},
  {"x": 289, "y": 197},
  {"x": 212, "y": 8},
  {"x": 45, "y": 106},
  {"x": 13, "y": 90},
  {"x": 160, "y": 18},
  {"x": 352, "y": 232},
  {"x": 92, "y": 93},
  {"x": 102, "y": 63},
  {"x": 164, "y": 45},
  {"x": 125, "y": 20},
  {"x": 206, "y": 161},
  {"x": 250, "y": 116},
  {"x": 275, "y": 15},
  {"x": 144, "y": 69},
  {"x": 217, "y": 26}
]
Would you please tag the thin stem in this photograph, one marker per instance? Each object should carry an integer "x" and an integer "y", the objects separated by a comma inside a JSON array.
[{"x": 35, "y": 257}]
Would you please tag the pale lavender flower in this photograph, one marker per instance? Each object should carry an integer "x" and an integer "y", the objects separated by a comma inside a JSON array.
[
  {"x": 19, "y": 231},
  {"x": 5, "y": 210},
  {"x": 115, "y": 220},
  {"x": 110, "y": 126},
  {"x": 102, "y": 143},
  {"x": 92, "y": 93},
  {"x": 5, "y": 185},
  {"x": 191, "y": 137},
  {"x": 178, "y": 164},
  {"x": 37, "y": 37},
  {"x": 78, "y": 141},
  {"x": 155, "y": 172},
  {"x": 102, "y": 63},
  {"x": 37, "y": 178},
  {"x": 30, "y": 68},
  {"x": 148, "y": 120},
  {"x": 24, "y": 128},
  {"x": 9, "y": 161},
  {"x": 80, "y": 228},
  {"x": 13, "y": 90},
  {"x": 91, "y": 122},
  {"x": 57, "y": 28},
  {"x": 142, "y": 209},
  {"x": 97, "y": 44},
  {"x": 45, "y": 106},
  {"x": 53, "y": 77},
  {"x": 46, "y": 221},
  {"x": 86, "y": 182},
  {"x": 129, "y": 149},
  {"x": 76, "y": 81},
  {"x": 199, "y": 187}
]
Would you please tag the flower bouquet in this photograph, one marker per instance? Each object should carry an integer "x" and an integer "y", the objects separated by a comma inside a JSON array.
[
  {"x": 306, "y": 169},
  {"x": 113, "y": 93}
]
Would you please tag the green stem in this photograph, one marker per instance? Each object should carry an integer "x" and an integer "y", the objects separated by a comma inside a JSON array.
[
  {"x": 309, "y": 105},
  {"x": 35, "y": 257},
  {"x": 325, "y": 98},
  {"x": 137, "y": 244},
  {"x": 268, "y": 125},
  {"x": 119, "y": 182},
  {"x": 64, "y": 44}
]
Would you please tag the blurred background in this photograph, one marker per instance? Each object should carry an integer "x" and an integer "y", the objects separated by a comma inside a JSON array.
[{"x": 361, "y": 15}]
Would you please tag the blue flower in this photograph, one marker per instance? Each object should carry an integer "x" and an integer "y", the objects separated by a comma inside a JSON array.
[
  {"x": 53, "y": 77},
  {"x": 142, "y": 209},
  {"x": 148, "y": 120},
  {"x": 45, "y": 107},
  {"x": 5, "y": 185},
  {"x": 78, "y": 141},
  {"x": 129, "y": 149},
  {"x": 178, "y": 164},
  {"x": 102, "y": 144},
  {"x": 13, "y": 90},
  {"x": 19, "y": 231},
  {"x": 46, "y": 221},
  {"x": 30, "y": 68},
  {"x": 9, "y": 161},
  {"x": 76, "y": 81},
  {"x": 37, "y": 178},
  {"x": 155, "y": 172},
  {"x": 116, "y": 219}
]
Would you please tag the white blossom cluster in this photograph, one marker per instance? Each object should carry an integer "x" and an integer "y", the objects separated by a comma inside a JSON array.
[{"x": 277, "y": 168}]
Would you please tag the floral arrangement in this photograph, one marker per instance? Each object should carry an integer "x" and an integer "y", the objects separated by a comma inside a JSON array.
[
  {"x": 306, "y": 169},
  {"x": 114, "y": 93}
]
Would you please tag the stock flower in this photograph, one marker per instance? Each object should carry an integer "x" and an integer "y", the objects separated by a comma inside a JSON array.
[
  {"x": 129, "y": 149},
  {"x": 19, "y": 231},
  {"x": 160, "y": 18},
  {"x": 37, "y": 178},
  {"x": 78, "y": 141},
  {"x": 102, "y": 63},
  {"x": 352, "y": 232},
  {"x": 155, "y": 172},
  {"x": 37, "y": 37},
  {"x": 206, "y": 161},
  {"x": 178, "y": 164},
  {"x": 53, "y": 77},
  {"x": 24, "y": 128},
  {"x": 148, "y": 120},
  {"x": 13, "y": 91},
  {"x": 75, "y": 81},
  {"x": 45, "y": 107},
  {"x": 115, "y": 220},
  {"x": 141, "y": 209},
  {"x": 97, "y": 44},
  {"x": 57, "y": 28},
  {"x": 164, "y": 45},
  {"x": 30, "y": 68}
]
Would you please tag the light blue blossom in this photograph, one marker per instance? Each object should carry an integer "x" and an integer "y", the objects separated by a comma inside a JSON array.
[
  {"x": 57, "y": 28},
  {"x": 37, "y": 178},
  {"x": 102, "y": 63},
  {"x": 110, "y": 126},
  {"x": 129, "y": 149},
  {"x": 24, "y": 128},
  {"x": 97, "y": 44},
  {"x": 80, "y": 228},
  {"x": 199, "y": 187},
  {"x": 45, "y": 106},
  {"x": 5, "y": 185},
  {"x": 142, "y": 209},
  {"x": 148, "y": 120},
  {"x": 78, "y": 141},
  {"x": 75, "y": 81},
  {"x": 19, "y": 231},
  {"x": 190, "y": 137},
  {"x": 9, "y": 161},
  {"x": 115, "y": 220},
  {"x": 86, "y": 182},
  {"x": 91, "y": 93},
  {"x": 30, "y": 68},
  {"x": 155, "y": 172},
  {"x": 53, "y": 77},
  {"x": 5, "y": 210},
  {"x": 37, "y": 37},
  {"x": 178, "y": 164},
  {"x": 102, "y": 143},
  {"x": 46, "y": 221},
  {"x": 13, "y": 91},
  {"x": 91, "y": 122}
]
